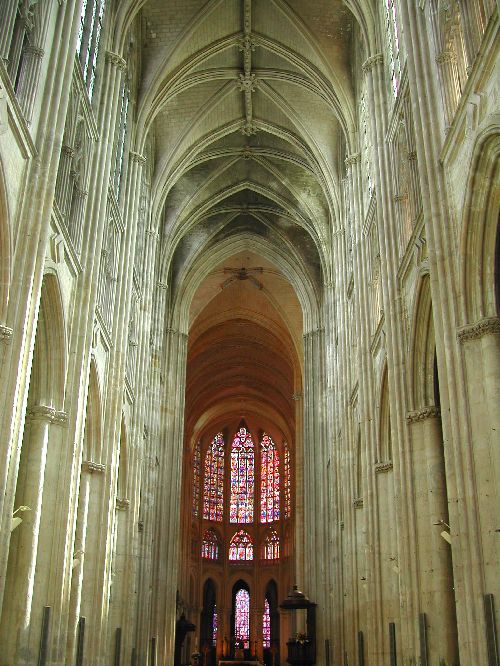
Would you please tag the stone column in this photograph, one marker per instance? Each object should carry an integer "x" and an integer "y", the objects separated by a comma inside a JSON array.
[
  {"x": 80, "y": 545},
  {"x": 396, "y": 360},
  {"x": 9, "y": 11},
  {"x": 33, "y": 221},
  {"x": 24, "y": 552},
  {"x": 434, "y": 553},
  {"x": 168, "y": 512},
  {"x": 28, "y": 80},
  {"x": 316, "y": 583},
  {"x": 441, "y": 237}
]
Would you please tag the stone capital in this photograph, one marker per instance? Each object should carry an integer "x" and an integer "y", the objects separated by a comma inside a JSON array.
[
  {"x": 5, "y": 333},
  {"x": 385, "y": 466},
  {"x": 137, "y": 157},
  {"x": 122, "y": 504},
  {"x": 116, "y": 60},
  {"x": 431, "y": 412},
  {"x": 47, "y": 414},
  {"x": 353, "y": 159},
  {"x": 90, "y": 466},
  {"x": 357, "y": 503},
  {"x": 372, "y": 62},
  {"x": 35, "y": 51},
  {"x": 486, "y": 326}
]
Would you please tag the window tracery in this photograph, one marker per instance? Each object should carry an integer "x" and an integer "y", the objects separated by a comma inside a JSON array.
[
  {"x": 241, "y": 547},
  {"x": 392, "y": 41},
  {"x": 210, "y": 546},
  {"x": 242, "y": 478},
  {"x": 272, "y": 546},
  {"x": 286, "y": 484}
]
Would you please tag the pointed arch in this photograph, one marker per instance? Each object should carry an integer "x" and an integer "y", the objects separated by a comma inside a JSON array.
[
  {"x": 93, "y": 419},
  {"x": 210, "y": 547},
  {"x": 213, "y": 483},
  {"x": 241, "y": 547},
  {"x": 385, "y": 438},
  {"x": 480, "y": 237},
  {"x": 423, "y": 348},
  {"x": 122, "y": 482},
  {"x": 48, "y": 375}
]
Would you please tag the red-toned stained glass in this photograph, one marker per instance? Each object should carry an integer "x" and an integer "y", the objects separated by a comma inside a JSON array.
[
  {"x": 210, "y": 545},
  {"x": 270, "y": 481},
  {"x": 272, "y": 546},
  {"x": 213, "y": 487},
  {"x": 242, "y": 618},
  {"x": 286, "y": 483},
  {"x": 242, "y": 478},
  {"x": 196, "y": 480},
  {"x": 241, "y": 547},
  {"x": 266, "y": 625}
]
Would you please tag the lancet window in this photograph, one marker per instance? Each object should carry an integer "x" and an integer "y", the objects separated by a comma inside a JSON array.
[
  {"x": 210, "y": 545},
  {"x": 286, "y": 484},
  {"x": 392, "y": 37},
  {"x": 89, "y": 36},
  {"x": 266, "y": 625},
  {"x": 241, "y": 547},
  {"x": 213, "y": 491},
  {"x": 196, "y": 480},
  {"x": 242, "y": 617},
  {"x": 242, "y": 478},
  {"x": 270, "y": 481}
]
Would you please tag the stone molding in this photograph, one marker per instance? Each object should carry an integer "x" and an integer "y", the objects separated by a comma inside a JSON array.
[
  {"x": 91, "y": 467},
  {"x": 48, "y": 414},
  {"x": 5, "y": 333},
  {"x": 385, "y": 466},
  {"x": 372, "y": 62},
  {"x": 357, "y": 503},
  {"x": 430, "y": 412},
  {"x": 116, "y": 60},
  {"x": 137, "y": 157},
  {"x": 122, "y": 503},
  {"x": 486, "y": 326}
]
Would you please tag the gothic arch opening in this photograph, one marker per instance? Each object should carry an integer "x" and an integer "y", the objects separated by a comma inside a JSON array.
[{"x": 243, "y": 372}]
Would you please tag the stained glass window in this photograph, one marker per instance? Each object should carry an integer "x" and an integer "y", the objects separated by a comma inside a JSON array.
[
  {"x": 392, "y": 45},
  {"x": 270, "y": 481},
  {"x": 213, "y": 487},
  {"x": 241, "y": 546},
  {"x": 210, "y": 545},
  {"x": 196, "y": 480},
  {"x": 215, "y": 626},
  {"x": 272, "y": 546},
  {"x": 242, "y": 618},
  {"x": 242, "y": 478},
  {"x": 266, "y": 625},
  {"x": 288, "y": 502}
]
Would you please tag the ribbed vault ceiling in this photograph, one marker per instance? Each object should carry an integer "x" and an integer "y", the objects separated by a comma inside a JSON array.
[{"x": 246, "y": 103}]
